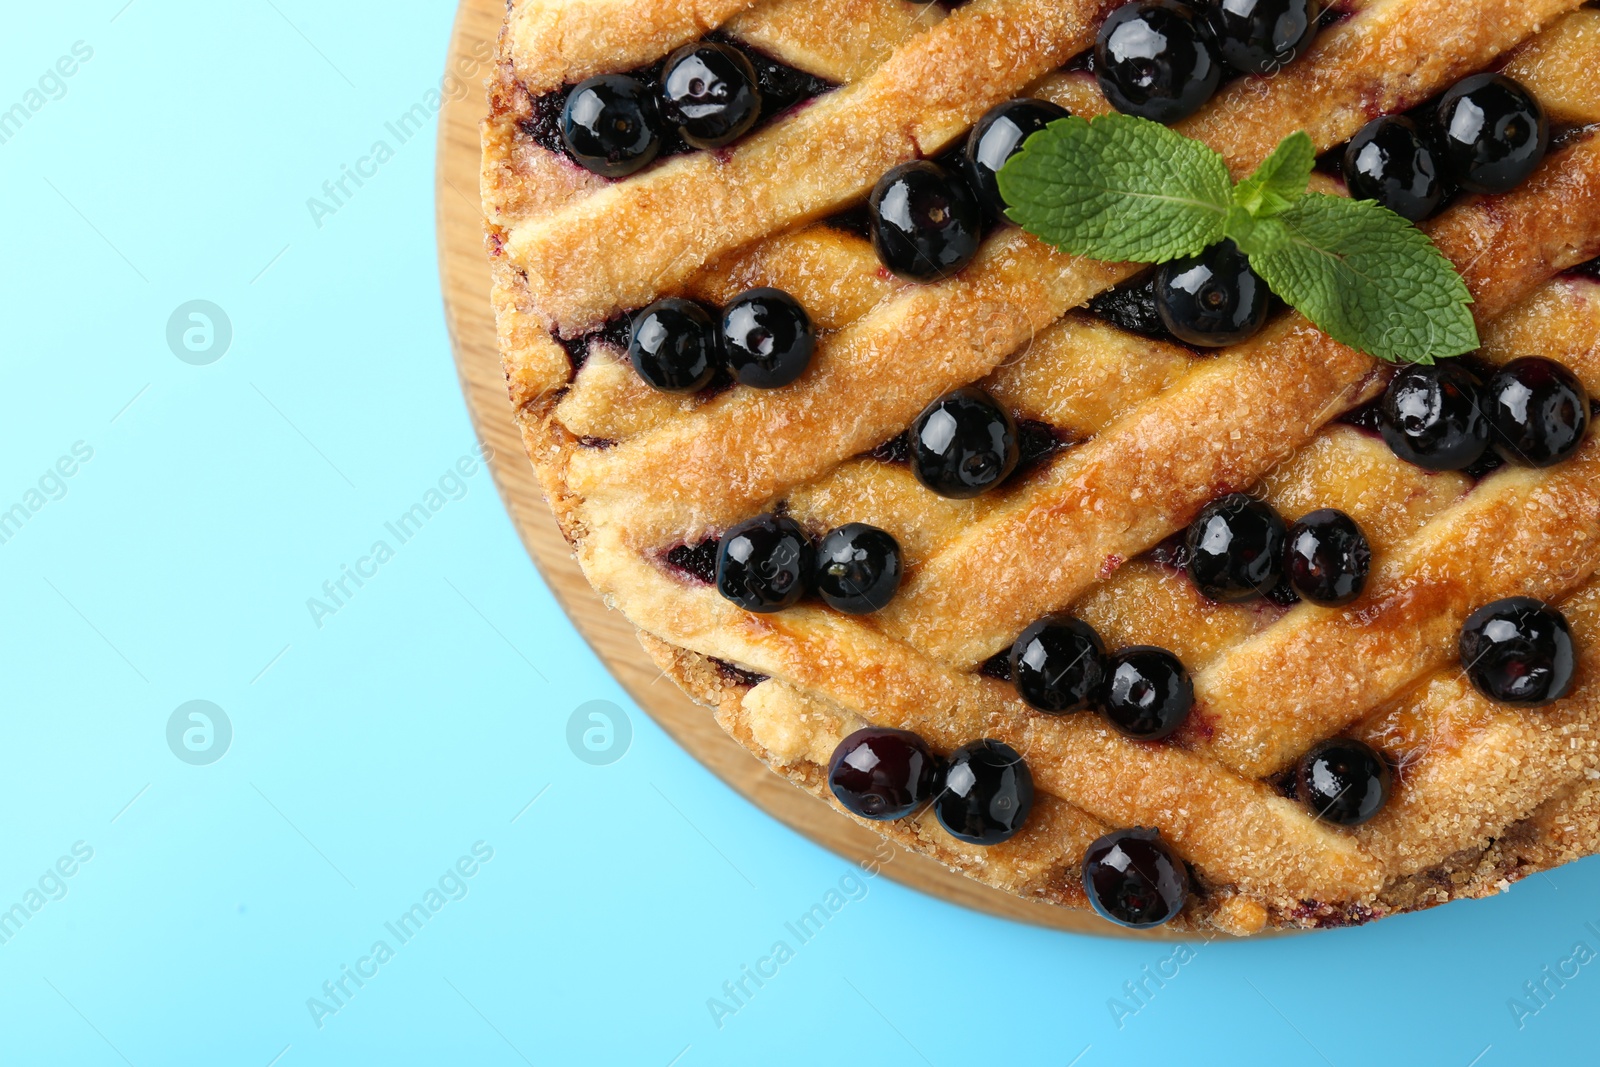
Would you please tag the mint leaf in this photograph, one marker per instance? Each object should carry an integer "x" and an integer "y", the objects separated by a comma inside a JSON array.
[
  {"x": 1368, "y": 278},
  {"x": 1118, "y": 188},
  {"x": 1281, "y": 179}
]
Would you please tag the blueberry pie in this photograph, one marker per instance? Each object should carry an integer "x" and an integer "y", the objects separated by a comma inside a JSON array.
[{"x": 1113, "y": 585}]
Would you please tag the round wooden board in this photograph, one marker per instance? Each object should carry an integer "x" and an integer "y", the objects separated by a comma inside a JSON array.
[{"x": 464, "y": 275}]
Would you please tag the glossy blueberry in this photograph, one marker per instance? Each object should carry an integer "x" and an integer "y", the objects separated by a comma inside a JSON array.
[
  {"x": 1433, "y": 416},
  {"x": 763, "y": 563},
  {"x": 925, "y": 222},
  {"x": 1394, "y": 162},
  {"x": 611, "y": 125},
  {"x": 1213, "y": 299},
  {"x": 1343, "y": 781},
  {"x": 1156, "y": 59},
  {"x": 1059, "y": 665},
  {"x": 767, "y": 338},
  {"x": 1538, "y": 411},
  {"x": 1329, "y": 557},
  {"x": 987, "y": 793},
  {"x": 1133, "y": 879},
  {"x": 673, "y": 346},
  {"x": 995, "y": 139},
  {"x": 1263, "y": 36},
  {"x": 882, "y": 773},
  {"x": 1148, "y": 693},
  {"x": 1235, "y": 548},
  {"x": 1518, "y": 651},
  {"x": 709, "y": 94},
  {"x": 963, "y": 444},
  {"x": 1492, "y": 133},
  {"x": 858, "y": 569}
]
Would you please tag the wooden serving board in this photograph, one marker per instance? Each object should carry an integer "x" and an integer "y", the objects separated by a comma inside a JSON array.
[{"x": 464, "y": 275}]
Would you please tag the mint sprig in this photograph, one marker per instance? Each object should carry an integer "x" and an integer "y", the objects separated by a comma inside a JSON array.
[{"x": 1125, "y": 188}]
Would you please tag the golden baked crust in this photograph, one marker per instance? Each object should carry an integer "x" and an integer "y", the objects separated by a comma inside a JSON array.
[{"x": 1486, "y": 794}]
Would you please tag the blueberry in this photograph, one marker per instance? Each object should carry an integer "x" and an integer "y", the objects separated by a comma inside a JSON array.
[
  {"x": 1343, "y": 781},
  {"x": 1433, "y": 417},
  {"x": 1329, "y": 557},
  {"x": 709, "y": 93},
  {"x": 1263, "y": 36},
  {"x": 858, "y": 569},
  {"x": 1394, "y": 162},
  {"x": 1148, "y": 692},
  {"x": 881, "y": 773},
  {"x": 1213, "y": 299},
  {"x": 673, "y": 346},
  {"x": 611, "y": 125},
  {"x": 1156, "y": 59},
  {"x": 963, "y": 444},
  {"x": 1059, "y": 665},
  {"x": 1518, "y": 651},
  {"x": 1492, "y": 133},
  {"x": 763, "y": 563},
  {"x": 925, "y": 222},
  {"x": 1538, "y": 411},
  {"x": 767, "y": 338},
  {"x": 1236, "y": 548},
  {"x": 987, "y": 793},
  {"x": 1133, "y": 879},
  {"x": 995, "y": 139}
]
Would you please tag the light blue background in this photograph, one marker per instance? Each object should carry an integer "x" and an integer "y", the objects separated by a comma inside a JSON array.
[{"x": 372, "y": 752}]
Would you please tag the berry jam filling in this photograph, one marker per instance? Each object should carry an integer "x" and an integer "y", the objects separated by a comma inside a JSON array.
[
  {"x": 997, "y": 666},
  {"x": 1037, "y": 442},
  {"x": 855, "y": 221},
  {"x": 781, "y": 87},
  {"x": 614, "y": 333},
  {"x": 1131, "y": 306},
  {"x": 737, "y": 675},
  {"x": 698, "y": 562},
  {"x": 896, "y": 449},
  {"x": 1590, "y": 269}
]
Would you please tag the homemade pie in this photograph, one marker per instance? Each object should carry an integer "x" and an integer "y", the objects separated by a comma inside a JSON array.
[{"x": 738, "y": 153}]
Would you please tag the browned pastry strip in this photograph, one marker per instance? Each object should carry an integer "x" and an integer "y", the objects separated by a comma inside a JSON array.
[
  {"x": 554, "y": 42},
  {"x": 842, "y": 41}
]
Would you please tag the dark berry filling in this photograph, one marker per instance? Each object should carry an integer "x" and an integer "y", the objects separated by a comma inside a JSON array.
[
  {"x": 737, "y": 675},
  {"x": 1518, "y": 651},
  {"x": 987, "y": 793},
  {"x": 881, "y": 773},
  {"x": 1133, "y": 878},
  {"x": 1131, "y": 306},
  {"x": 1343, "y": 781},
  {"x": 614, "y": 333},
  {"x": 696, "y": 561},
  {"x": 1590, "y": 269}
]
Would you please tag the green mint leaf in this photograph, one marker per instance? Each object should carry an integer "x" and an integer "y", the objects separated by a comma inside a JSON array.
[
  {"x": 1280, "y": 181},
  {"x": 1118, "y": 188},
  {"x": 1369, "y": 279},
  {"x": 1255, "y": 236}
]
